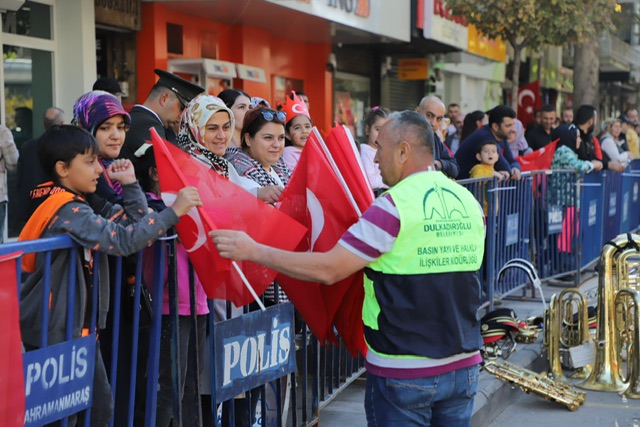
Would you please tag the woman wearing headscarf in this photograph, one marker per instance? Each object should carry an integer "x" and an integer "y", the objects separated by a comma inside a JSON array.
[
  {"x": 518, "y": 143},
  {"x": 102, "y": 114},
  {"x": 206, "y": 128},
  {"x": 567, "y": 152}
]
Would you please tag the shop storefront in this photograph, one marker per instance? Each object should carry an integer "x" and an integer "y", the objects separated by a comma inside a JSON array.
[
  {"x": 48, "y": 60},
  {"x": 472, "y": 74},
  {"x": 267, "y": 49}
]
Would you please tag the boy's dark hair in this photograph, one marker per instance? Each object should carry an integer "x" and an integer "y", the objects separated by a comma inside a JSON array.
[
  {"x": 484, "y": 143},
  {"x": 62, "y": 144},
  {"x": 548, "y": 108},
  {"x": 374, "y": 114},
  {"x": 498, "y": 114},
  {"x": 584, "y": 114}
]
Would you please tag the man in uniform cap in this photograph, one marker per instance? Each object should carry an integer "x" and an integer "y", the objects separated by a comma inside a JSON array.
[{"x": 160, "y": 110}]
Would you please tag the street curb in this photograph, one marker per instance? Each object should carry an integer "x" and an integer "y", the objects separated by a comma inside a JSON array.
[{"x": 495, "y": 395}]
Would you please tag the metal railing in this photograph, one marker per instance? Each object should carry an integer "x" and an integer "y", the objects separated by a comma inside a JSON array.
[{"x": 556, "y": 219}]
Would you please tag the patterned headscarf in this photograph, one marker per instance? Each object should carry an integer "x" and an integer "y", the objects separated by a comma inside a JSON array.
[
  {"x": 95, "y": 107},
  {"x": 192, "y": 129}
]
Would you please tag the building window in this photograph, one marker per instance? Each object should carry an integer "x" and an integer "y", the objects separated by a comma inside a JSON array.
[
  {"x": 32, "y": 20},
  {"x": 174, "y": 39}
]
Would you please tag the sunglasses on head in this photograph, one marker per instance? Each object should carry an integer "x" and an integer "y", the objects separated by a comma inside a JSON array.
[{"x": 271, "y": 115}]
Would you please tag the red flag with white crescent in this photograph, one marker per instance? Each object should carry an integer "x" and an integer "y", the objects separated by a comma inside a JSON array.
[
  {"x": 529, "y": 101},
  {"x": 344, "y": 152},
  {"x": 316, "y": 196},
  {"x": 225, "y": 206},
  {"x": 12, "y": 391}
]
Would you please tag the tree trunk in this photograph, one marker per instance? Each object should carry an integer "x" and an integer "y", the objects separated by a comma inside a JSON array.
[
  {"x": 586, "y": 74},
  {"x": 515, "y": 77}
]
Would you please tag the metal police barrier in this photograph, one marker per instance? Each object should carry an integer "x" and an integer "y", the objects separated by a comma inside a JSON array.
[
  {"x": 555, "y": 235},
  {"x": 631, "y": 192},
  {"x": 512, "y": 206},
  {"x": 507, "y": 206},
  {"x": 591, "y": 217},
  {"x": 251, "y": 357},
  {"x": 59, "y": 377},
  {"x": 612, "y": 201}
]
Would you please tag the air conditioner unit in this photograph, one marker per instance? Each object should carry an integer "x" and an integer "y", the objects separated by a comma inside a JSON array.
[{"x": 11, "y": 4}]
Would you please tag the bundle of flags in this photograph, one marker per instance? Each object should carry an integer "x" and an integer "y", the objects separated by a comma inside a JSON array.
[
  {"x": 325, "y": 196},
  {"x": 12, "y": 401}
]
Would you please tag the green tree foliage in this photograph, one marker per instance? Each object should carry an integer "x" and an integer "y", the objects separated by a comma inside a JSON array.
[{"x": 533, "y": 24}]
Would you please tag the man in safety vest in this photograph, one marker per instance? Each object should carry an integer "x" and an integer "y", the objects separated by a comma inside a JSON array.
[{"x": 421, "y": 244}]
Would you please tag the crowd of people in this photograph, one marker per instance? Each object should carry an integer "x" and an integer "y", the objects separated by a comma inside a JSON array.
[{"x": 97, "y": 181}]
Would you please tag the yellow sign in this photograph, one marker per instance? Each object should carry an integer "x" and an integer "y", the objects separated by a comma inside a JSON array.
[
  {"x": 413, "y": 69},
  {"x": 484, "y": 46}
]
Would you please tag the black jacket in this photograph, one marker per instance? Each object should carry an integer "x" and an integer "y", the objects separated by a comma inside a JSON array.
[{"x": 141, "y": 120}]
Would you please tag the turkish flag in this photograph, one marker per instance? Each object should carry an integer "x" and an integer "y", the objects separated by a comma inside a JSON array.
[
  {"x": 12, "y": 401},
  {"x": 538, "y": 160},
  {"x": 225, "y": 206},
  {"x": 316, "y": 197},
  {"x": 344, "y": 154},
  {"x": 529, "y": 101}
]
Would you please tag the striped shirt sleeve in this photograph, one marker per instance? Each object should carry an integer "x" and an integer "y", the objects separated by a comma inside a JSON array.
[{"x": 375, "y": 232}]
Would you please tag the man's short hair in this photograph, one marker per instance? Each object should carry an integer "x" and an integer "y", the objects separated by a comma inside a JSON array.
[
  {"x": 413, "y": 127},
  {"x": 584, "y": 114},
  {"x": 53, "y": 117},
  {"x": 64, "y": 143},
  {"x": 498, "y": 114},
  {"x": 548, "y": 108},
  {"x": 453, "y": 104}
]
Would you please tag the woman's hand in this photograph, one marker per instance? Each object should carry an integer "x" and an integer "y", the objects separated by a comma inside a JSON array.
[
  {"x": 122, "y": 170},
  {"x": 270, "y": 194}
]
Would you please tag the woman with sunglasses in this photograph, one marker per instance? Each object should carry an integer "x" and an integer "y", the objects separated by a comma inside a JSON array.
[{"x": 259, "y": 162}]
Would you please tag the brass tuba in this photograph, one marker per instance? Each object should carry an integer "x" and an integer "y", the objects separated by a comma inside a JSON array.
[
  {"x": 627, "y": 304},
  {"x": 605, "y": 375},
  {"x": 568, "y": 326}
]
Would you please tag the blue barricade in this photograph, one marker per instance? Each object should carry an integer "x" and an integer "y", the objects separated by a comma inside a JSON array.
[
  {"x": 255, "y": 354},
  {"x": 592, "y": 213},
  {"x": 612, "y": 189}
]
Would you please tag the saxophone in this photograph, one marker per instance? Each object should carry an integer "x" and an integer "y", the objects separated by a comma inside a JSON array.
[{"x": 539, "y": 384}]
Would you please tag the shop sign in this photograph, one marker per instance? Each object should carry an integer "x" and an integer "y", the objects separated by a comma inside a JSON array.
[
  {"x": 413, "y": 69},
  {"x": 441, "y": 26},
  {"x": 58, "y": 380},
  {"x": 255, "y": 74},
  {"x": 357, "y": 7},
  {"x": 118, "y": 13},
  {"x": 382, "y": 17},
  {"x": 486, "y": 47},
  {"x": 254, "y": 349},
  {"x": 215, "y": 68}
]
